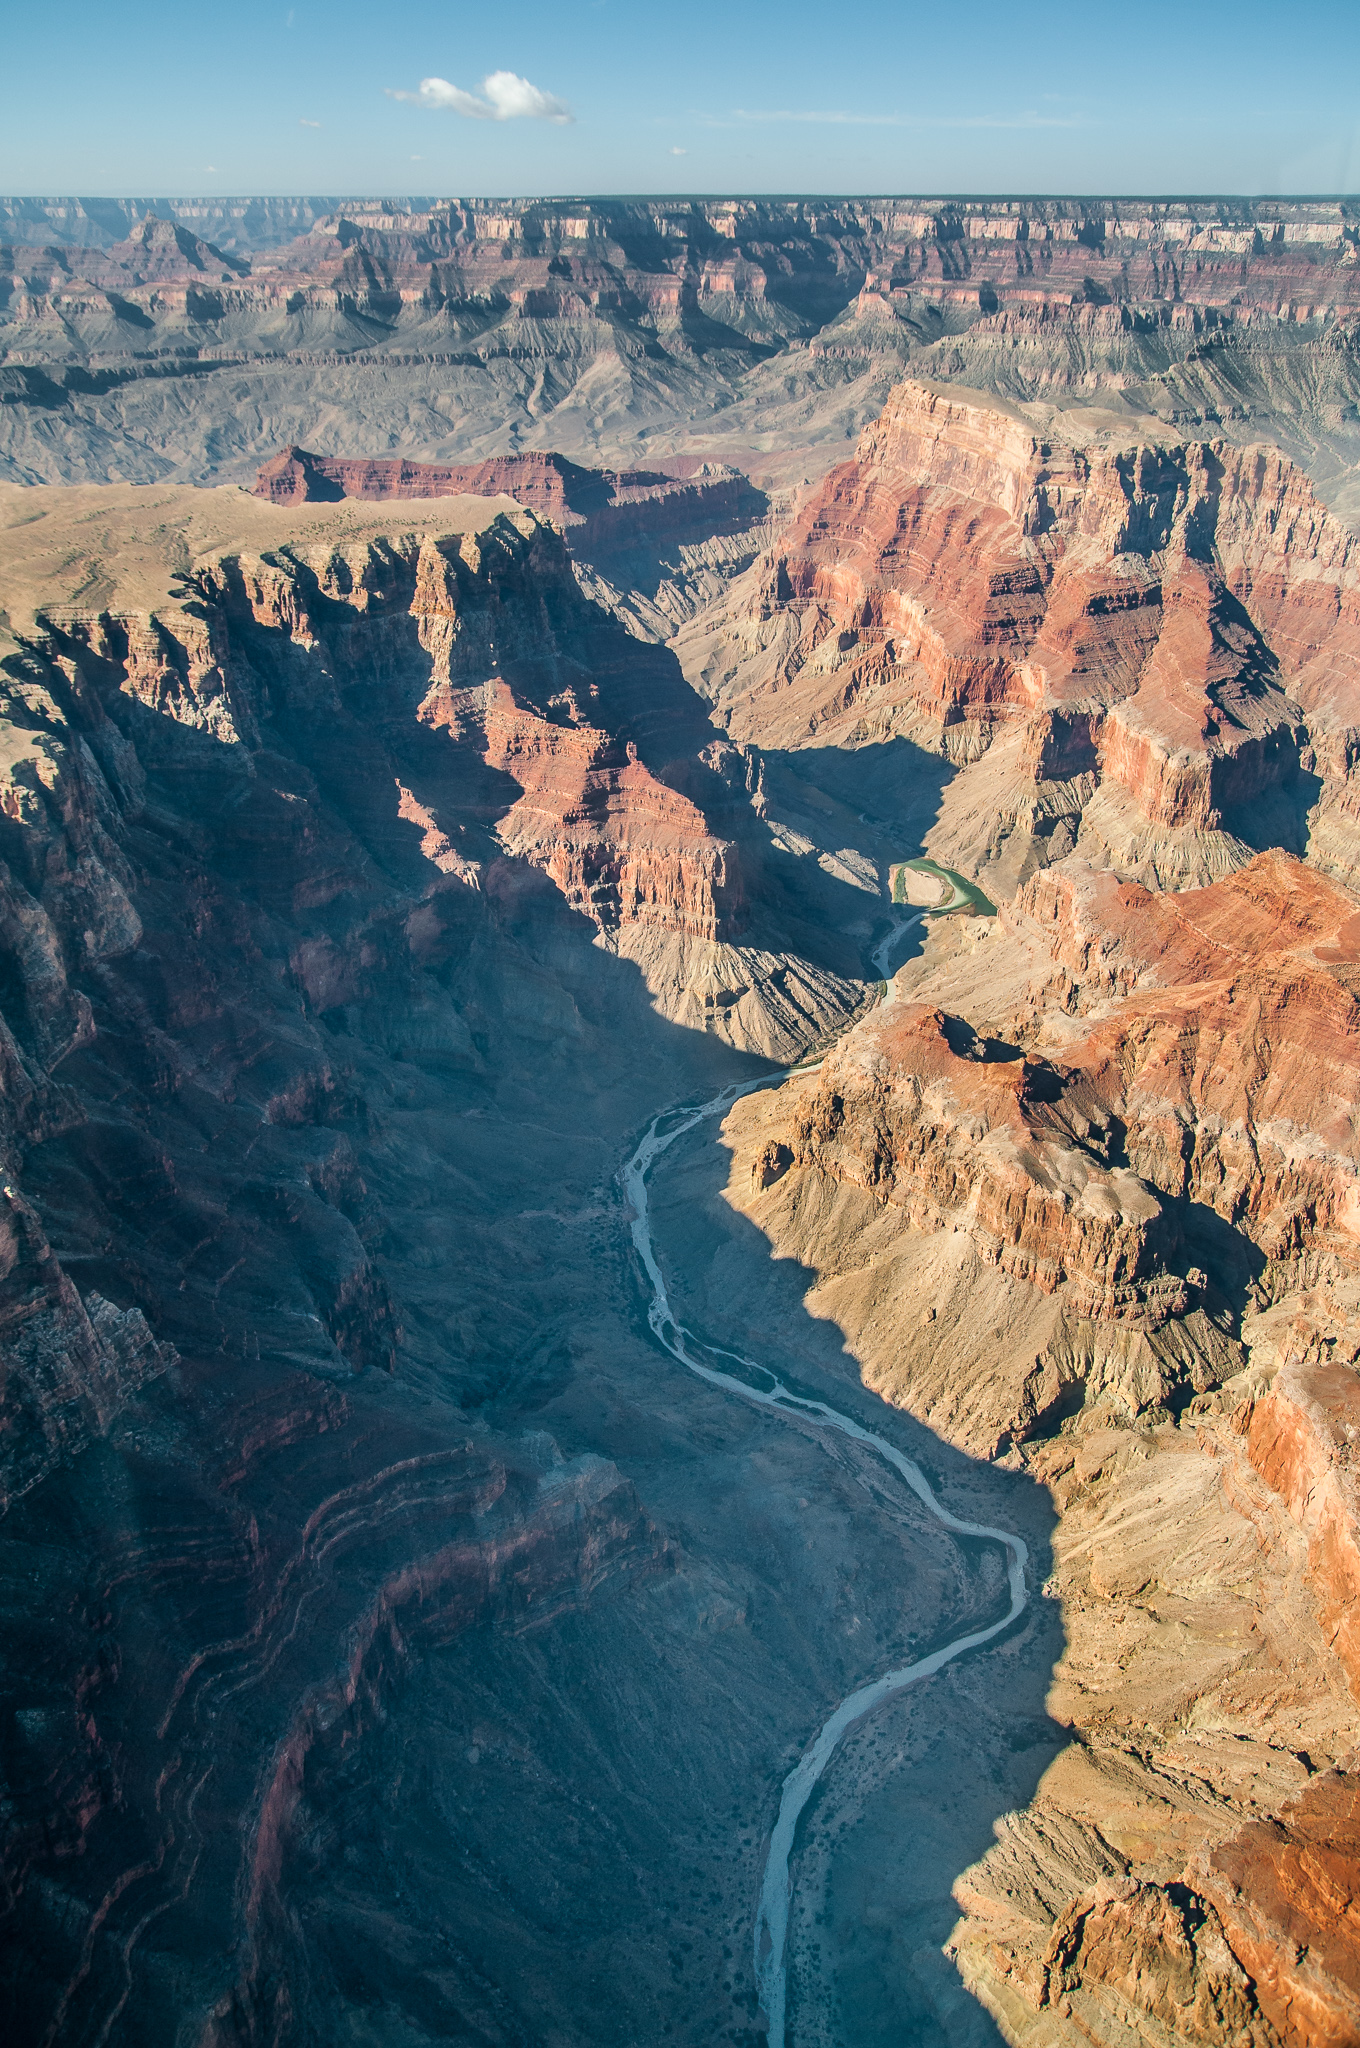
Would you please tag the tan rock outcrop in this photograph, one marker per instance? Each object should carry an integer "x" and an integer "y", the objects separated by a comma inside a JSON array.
[
  {"x": 1221, "y": 1026},
  {"x": 1155, "y": 1960},
  {"x": 959, "y": 1197},
  {"x": 961, "y": 1133}
]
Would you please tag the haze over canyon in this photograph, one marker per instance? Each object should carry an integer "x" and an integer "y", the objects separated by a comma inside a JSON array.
[{"x": 680, "y": 1108}]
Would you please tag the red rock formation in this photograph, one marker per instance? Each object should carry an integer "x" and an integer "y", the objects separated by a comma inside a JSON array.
[
  {"x": 547, "y": 484},
  {"x": 620, "y": 845},
  {"x": 1287, "y": 1892},
  {"x": 1300, "y": 1436},
  {"x": 1182, "y": 619},
  {"x": 1228, "y": 1023},
  {"x": 159, "y": 251},
  {"x": 602, "y": 511},
  {"x": 1005, "y": 574}
]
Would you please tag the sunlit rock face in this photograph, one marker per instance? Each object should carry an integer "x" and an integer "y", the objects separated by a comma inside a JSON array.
[
  {"x": 1082, "y": 1195},
  {"x": 1155, "y": 644}
]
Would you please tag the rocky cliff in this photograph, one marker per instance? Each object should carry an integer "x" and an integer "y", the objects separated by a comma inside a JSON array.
[
  {"x": 709, "y": 325},
  {"x": 1159, "y": 641},
  {"x": 1081, "y": 1194}
]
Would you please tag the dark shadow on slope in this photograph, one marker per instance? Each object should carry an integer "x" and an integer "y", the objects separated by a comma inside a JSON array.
[
  {"x": 913, "y": 1800},
  {"x": 1277, "y": 817},
  {"x": 875, "y": 803},
  {"x": 1233, "y": 1264},
  {"x": 893, "y": 787},
  {"x": 320, "y": 1781}
]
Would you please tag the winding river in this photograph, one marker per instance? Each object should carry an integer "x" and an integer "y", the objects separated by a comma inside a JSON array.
[{"x": 772, "y": 1915}]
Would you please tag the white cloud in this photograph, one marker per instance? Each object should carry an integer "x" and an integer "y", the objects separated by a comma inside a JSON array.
[
  {"x": 677, "y": 151},
  {"x": 305, "y": 123},
  {"x": 505, "y": 97}
]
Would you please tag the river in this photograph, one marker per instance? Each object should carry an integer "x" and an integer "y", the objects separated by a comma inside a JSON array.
[{"x": 772, "y": 1914}]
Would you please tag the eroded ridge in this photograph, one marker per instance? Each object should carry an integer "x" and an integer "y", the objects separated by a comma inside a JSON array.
[{"x": 772, "y": 1913}]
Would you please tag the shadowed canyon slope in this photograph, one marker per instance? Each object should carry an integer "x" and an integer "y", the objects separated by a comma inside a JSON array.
[
  {"x": 400, "y": 1647},
  {"x": 331, "y": 1439}
]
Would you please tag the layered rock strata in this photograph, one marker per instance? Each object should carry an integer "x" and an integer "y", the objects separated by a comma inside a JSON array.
[
  {"x": 1160, "y": 641},
  {"x": 1104, "y": 1230},
  {"x": 602, "y": 512},
  {"x": 601, "y": 325}
]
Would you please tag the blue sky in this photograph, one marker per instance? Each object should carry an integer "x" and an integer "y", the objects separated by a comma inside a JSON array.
[{"x": 142, "y": 97}]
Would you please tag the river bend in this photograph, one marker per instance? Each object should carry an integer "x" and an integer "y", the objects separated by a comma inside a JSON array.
[{"x": 772, "y": 1914}]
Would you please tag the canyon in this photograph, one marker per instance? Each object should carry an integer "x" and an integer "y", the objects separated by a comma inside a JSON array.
[
  {"x": 191, "y": 339},
  {"x": 681, "y": 1057}
]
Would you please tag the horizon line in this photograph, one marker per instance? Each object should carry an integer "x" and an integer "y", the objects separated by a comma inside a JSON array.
[{"x": 720, "y": 193}]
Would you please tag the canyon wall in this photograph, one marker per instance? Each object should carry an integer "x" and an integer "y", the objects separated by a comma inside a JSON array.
[
  {"x": 1156, "y": 642},
  {"x": 633, "y": 328},
  {"x": 323, "y": 851},
  {"x": 1081, "y": 1194},
  {"x": 451, "y": 697},
  {"x": 366, "y": 887}
]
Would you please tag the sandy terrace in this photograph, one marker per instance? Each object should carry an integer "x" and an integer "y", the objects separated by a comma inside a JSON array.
[{"x": 91, "y": 546}]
